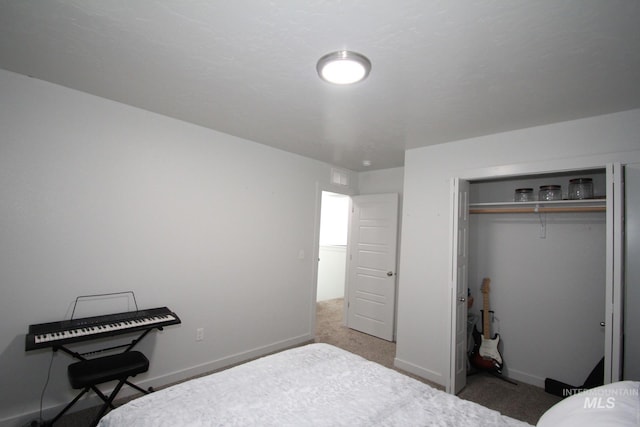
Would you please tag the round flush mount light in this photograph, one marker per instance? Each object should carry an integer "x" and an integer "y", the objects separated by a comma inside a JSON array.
[{"x": 343, "y": 67}]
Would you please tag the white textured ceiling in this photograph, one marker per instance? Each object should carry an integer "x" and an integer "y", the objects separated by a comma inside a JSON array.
[{"x": 442, "y": 70}]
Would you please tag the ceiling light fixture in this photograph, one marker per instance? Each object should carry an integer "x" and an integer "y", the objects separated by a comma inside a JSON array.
[{"x": 343, "y": 67}]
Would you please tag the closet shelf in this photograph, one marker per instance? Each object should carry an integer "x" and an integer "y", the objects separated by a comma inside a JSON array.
[{"x": 559, "y": 206}]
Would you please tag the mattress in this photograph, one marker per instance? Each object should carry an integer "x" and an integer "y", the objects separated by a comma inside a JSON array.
[{"x": 317, "y": 384}]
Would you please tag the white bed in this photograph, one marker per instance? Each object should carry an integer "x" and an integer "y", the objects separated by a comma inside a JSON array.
[
  {"x": 616, "y": 404},
  {"x": 317, "y": 384}
]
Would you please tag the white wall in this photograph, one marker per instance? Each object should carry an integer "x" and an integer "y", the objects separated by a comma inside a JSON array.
[
  {"x": 424, "y": 292},
  {"x": 334, "y": 225},
  {"x": 96, "y": 197},
  {"x": 381, "y": 181},
  {"x": 331, "y": 272}
]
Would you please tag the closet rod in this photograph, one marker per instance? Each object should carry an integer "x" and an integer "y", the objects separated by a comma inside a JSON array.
[{"x": 538, "y": 210}]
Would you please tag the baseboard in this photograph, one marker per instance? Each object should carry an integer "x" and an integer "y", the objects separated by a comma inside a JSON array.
[
  {"x": 162, "y": 380},
  {"x": 524, "y": 377},
  {"x": 427, "y": 374}
]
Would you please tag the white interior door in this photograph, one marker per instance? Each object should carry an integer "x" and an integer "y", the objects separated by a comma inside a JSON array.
[
  {"x": 372, "y": 265},
  {"x": 459, "y": 281},
  {"x": 615, "y": 273}
]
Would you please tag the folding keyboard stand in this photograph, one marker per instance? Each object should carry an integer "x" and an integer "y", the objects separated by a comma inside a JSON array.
[{"x": 86, "y": 386}]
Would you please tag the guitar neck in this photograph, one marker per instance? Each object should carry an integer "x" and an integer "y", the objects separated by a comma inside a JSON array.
[
  {"x": 485, "y": 288},
  {"x": 485, "y": 318}
]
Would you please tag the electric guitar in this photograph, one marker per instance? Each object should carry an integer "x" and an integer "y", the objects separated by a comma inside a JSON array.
[{"x": 485, "y": 354}]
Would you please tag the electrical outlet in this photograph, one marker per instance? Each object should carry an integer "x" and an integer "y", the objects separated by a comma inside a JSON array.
[{"x": 199, "y": 334}]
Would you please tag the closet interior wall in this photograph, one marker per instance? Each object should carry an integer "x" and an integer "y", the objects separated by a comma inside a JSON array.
[{"x": 547, "y": 274}]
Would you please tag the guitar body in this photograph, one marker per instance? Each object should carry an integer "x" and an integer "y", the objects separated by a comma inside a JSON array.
[
  {"x": 485, "y": 363},
  {"x": 485, "y": 354},
  {"x": 489, "y": 348}
]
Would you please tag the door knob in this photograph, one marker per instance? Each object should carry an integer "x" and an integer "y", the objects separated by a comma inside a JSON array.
[
  {"x": 602, "y": 324},
  {"x": 462, "y": 299},
  {"x": 389, "y": 273}
]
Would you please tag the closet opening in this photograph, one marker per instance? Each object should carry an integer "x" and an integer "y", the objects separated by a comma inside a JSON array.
[
  {"x": 548, "y": 275},
  {"x": 551, "y": 275}
]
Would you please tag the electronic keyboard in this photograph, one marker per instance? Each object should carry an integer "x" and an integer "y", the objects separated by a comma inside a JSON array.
[{"x": 55, "y": 334}]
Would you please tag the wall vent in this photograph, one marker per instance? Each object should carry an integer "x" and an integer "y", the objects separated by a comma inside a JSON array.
[{"x": 339, "y": 177}]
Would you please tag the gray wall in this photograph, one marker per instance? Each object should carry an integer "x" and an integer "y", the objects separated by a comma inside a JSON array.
[
  {"x": 424, "y": 291},
  {"x": 382, "y": 181},
  {"x": 97, "y": 197},
  {"x": 632, "y": 272}
]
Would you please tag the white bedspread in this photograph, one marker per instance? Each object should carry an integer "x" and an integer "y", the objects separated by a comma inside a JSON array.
[{"x": 317, "y": 384}]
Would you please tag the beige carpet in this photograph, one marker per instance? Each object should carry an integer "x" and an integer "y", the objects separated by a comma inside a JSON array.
[
  {"x": 330, "y": 330},
  {"x": 523, "y": 402}
]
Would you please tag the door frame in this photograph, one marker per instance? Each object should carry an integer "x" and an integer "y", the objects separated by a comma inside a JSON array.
[
  {"x": 332, "y": 188},
  {"x": 614, "y": 265}
]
